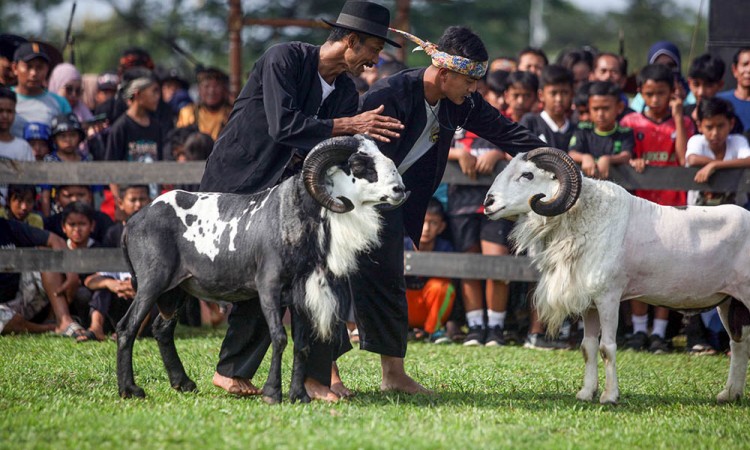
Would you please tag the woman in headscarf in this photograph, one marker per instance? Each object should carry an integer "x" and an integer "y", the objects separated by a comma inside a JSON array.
[
  {"x": 666, "y": 53},
  {"x": 66, "y": 81}
]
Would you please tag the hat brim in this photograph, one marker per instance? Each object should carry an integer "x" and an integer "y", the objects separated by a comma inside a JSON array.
[{"x": 347, "y": 27}]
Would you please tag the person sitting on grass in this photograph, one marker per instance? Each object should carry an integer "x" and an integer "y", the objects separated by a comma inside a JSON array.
[
  {"x": 24, "y": 296},
  {"x": 78, "y": 223},
  {"x": 113, "y": 291},
  {"x": 430, "y": 300},
  {"x": 66, "y": 194}
]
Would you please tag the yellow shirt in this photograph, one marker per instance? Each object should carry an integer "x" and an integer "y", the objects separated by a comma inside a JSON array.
[{"x": 209, "y": 122}]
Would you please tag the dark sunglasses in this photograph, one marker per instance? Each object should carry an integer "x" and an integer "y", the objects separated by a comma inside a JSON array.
[{"x": 73, "y": 90}]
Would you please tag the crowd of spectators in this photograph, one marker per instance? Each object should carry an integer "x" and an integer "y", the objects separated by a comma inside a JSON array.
[
  {"x": 143, "y": 112},
  {"x": 578, "y": 104},
  {"x": 50, "y": 112}
]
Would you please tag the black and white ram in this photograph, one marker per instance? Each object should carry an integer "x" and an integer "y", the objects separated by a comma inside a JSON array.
[
  {"x": 596, "y": 245},
  {"x": 290, "y": 245}
]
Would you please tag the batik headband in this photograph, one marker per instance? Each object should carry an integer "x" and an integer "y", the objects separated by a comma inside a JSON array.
[{"x": 465, "y": 66}]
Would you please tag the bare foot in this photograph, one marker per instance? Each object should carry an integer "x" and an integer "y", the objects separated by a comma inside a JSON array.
[
  {"x": 403, "y": 383},
  {"x": 337, "y": 386},
  {"x": 100, "y": 336},
  {"x": 235, "y": 386},
  {"x": 395, "y": 377},
  {"x": 318, "y": 391}
]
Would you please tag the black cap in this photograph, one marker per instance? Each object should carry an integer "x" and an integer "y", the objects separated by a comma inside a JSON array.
[
  {"x": 28, "y": 51},
  {"x": 365, "y": 17},
  {"x": 67, "y": 122}
]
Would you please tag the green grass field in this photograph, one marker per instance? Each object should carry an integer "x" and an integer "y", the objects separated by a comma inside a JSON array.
[{"x": 57, "y": 394}]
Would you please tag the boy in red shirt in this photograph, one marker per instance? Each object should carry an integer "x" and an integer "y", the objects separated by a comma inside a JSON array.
[{"x": 661, "y": 133}]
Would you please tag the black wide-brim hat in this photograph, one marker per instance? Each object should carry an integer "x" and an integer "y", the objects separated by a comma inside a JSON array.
[{"x": 365, "y": 17}]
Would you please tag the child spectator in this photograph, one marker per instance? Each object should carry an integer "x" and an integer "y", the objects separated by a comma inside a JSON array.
[
  {"x": 612, "y": 67},
  {"x": 474, "y": 233},
  {"x": 21, "y": 201},
  {"x": 112, "y": 293},
  {"x": 24, "y": 296},
  {"x": 112, "y": 290},
  {"x": 705, "y": 78},
  {"x": 667, "y": 54},
  {"x": 598, "y": 144},
  {"x": 132, "y": 199},
  {"x": 66, "y": 81},
  {"x": 175, "y": 143},
  {"x": 67, "y": 135},
  {"x": 740, "y": 96},
  {"x": 496, "y": 84},
  {"x": 174, "y": 89},
  {"x": 430, "y": 299},
  {"x": 715, "y": 149},
  {"x": 78, "y": 224},
  {"x": 38, "y": 136},
  {"x": 66, "y": 194},
  {"x": 581, "y": 104},
  {"x": 106, "y": 87},
  {"x": 197, "y": 147},
  {"x": 552, "y": 125},
  {"x": 661, "y": 134},
  {"x": 579, "y": 62},
  {"x": 35, "y": 103},
  {"x": 11, "y": 147},
  {"x": 136, "y": 136},
  {"x": 212, "y": 111},
  {"x": 520, "y": 94},
  {"x": 532, "y": 59}
]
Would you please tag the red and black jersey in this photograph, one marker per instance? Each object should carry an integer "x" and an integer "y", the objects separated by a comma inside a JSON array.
[{"x": 655, "y": 142}]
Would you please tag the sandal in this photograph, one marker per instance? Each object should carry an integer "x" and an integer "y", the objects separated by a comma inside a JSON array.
[{"x": 76, "y": 331}]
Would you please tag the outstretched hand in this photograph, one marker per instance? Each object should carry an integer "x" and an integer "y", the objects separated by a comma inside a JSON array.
[{"x": 370, "y": 123}]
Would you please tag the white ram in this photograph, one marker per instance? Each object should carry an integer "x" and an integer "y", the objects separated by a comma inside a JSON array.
[{"x": 596, "y": 245}]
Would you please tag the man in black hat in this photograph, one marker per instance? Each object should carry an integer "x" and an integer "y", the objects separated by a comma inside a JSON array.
[
  {"x": 35, "y": 104},
  {"x": 297, "y": 95}
]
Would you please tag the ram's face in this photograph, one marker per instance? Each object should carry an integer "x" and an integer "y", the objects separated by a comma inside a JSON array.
[
  {"x": 368, "y": 177},
  {"x": 512, "y": 189}
]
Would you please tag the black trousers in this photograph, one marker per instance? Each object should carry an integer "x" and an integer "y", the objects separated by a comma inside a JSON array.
[{"x": 379, "y": 296}]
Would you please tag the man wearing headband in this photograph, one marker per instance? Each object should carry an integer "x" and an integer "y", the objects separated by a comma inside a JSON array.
[
  {"x": 431, "y": 103},
  {"x": 297, "y": 95}
]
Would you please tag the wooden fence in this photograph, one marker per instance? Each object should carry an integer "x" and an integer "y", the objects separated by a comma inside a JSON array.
[{"x": 454, "y": 265}]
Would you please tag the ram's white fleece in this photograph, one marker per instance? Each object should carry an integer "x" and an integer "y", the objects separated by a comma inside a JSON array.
[{"x": 577, "y": 252}]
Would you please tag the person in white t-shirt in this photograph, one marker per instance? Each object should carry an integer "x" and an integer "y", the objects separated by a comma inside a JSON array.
[
  {"x": 11, "y": 147},
  {"x": 715, "y": 148}
]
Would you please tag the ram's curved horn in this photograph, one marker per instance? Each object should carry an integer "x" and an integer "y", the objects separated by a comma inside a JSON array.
[
  {"x": 322, "y": 157},
  {"x": 566, "y": 171}
]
